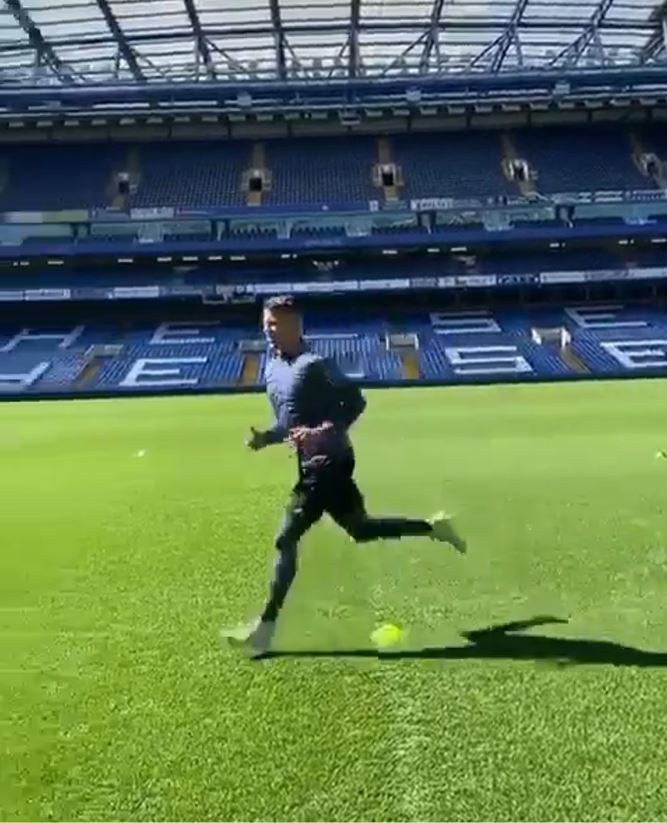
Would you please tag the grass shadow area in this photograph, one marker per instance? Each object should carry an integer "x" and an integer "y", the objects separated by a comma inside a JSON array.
[{"x": 506, "y": 642}]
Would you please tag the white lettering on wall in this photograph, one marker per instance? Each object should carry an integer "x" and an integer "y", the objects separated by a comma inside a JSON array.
[
  {"x": 471, "y": 322},
  {"x": 161, "y": 372},
  {"x": 26, "y": 335},
  {"x": 603, "y": 317},
  {"x": 487, "y": 360},
  {"x": 638, "y": 354},
  {"x": 181, "y": 333},
  {"x": 12, "y": 382}
]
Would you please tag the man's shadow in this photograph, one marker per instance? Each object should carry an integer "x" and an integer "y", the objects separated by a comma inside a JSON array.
[{"x": 504, "y": 642}]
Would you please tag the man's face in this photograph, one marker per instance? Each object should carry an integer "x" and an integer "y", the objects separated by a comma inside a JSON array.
[{"x": 282, "y": 328}]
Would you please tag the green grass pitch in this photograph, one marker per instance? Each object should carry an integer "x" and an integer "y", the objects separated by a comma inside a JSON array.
[{"x": 118, "y": 701}]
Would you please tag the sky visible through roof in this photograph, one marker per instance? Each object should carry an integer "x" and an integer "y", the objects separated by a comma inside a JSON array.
[{"x": 93, "y": 41}]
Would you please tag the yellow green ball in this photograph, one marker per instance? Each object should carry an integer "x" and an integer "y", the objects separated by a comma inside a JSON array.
[{"x": 387, "y": 635}]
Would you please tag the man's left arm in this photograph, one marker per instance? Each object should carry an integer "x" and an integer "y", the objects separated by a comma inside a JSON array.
[
  {"x": 350, "y": 401},
  {"x": 325, "y": 379}
]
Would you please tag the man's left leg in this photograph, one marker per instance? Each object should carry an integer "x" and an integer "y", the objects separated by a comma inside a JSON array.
[
  {"x": 346, "y": 506},
  {"x": 303, "y": 510}
]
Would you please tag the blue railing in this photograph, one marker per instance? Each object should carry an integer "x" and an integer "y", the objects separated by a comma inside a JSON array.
[{"x": 417, "y": 222}]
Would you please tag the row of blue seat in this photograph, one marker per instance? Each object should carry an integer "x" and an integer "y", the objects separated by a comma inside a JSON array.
[
  {"x": 451, "y": 347},
  {"x": 319, "y": 171}
]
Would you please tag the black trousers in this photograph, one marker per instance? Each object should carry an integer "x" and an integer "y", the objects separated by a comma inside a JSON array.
[{"x": 328, "y": 488}]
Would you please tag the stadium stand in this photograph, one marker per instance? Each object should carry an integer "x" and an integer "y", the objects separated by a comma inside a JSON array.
[
  {"x": 321, "y": 171},
  {"x": 454, "y": 347},
  {"x": 192, "y": 174},
  {"x": 590, "y": 159},
  {"x": 318, "y": 172},
  {"x": 246, "y": 183},
  {"x": 217, "y": 367},
  {"x": 57, "y": 177},
  {"x": 452, "y": 165}
]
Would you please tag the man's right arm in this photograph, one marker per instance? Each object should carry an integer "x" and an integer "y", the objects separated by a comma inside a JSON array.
[
  {"x": 276, "y": 434},
  {"x": 260, "y": 439},
  {"x": 271, "y": 436}
]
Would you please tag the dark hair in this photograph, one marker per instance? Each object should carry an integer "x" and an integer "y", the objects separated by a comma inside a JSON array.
[{"x": 282, "y": 302}]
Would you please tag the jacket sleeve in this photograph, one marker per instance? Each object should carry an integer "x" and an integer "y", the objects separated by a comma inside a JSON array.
[
  {"x": 349, "y": 403},
  {"x": 277, "y": 433}
]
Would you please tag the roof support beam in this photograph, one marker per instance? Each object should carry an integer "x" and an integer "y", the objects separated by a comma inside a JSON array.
[
  {"x": 336, "y": 65},
  {"x": 232, "y": 65},
  {"x": 405, "y": 51},
  {"x": 123, "y": 46},
  {"x": 572, "y": 54},
  {"x": 477, "y": 59},
  {"x": 655, "y": 45},
  {"x": 353, "y": 41},
  {"x": 202, "y": 45},
  {"x": 511, "y": 36},
  {"x": 433, "y": 38},
  {"x": 279, "y": 37},
  {"x": 657, "y": 42},
  {"x": 43, "y": 50}
]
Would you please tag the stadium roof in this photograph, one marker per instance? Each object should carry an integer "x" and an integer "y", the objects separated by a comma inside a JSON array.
[{"x": 84, "y": 42}]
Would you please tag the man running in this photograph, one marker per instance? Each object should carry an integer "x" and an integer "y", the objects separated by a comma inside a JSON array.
[{"x": 314, "y": 406}]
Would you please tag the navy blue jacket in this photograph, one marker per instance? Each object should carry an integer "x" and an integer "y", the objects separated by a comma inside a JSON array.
[{"x": 309, "y": 390}]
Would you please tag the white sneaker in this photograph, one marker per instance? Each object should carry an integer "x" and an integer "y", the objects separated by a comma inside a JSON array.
[
  {"x": 255, "y": 639},
  {"x": 445, "y": 532}
]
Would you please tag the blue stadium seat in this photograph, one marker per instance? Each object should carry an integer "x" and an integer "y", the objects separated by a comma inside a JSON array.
[
  {"x": 452, "y": 165},
  {"x": 191, "y": 175},
  {"x": 581, "y": 159},
  {"x": 223, "y": 367},
  {"x": 321, "y": 171},
  {"x": 56, "y": 177},
  {"x": 356, "y": 342}
]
